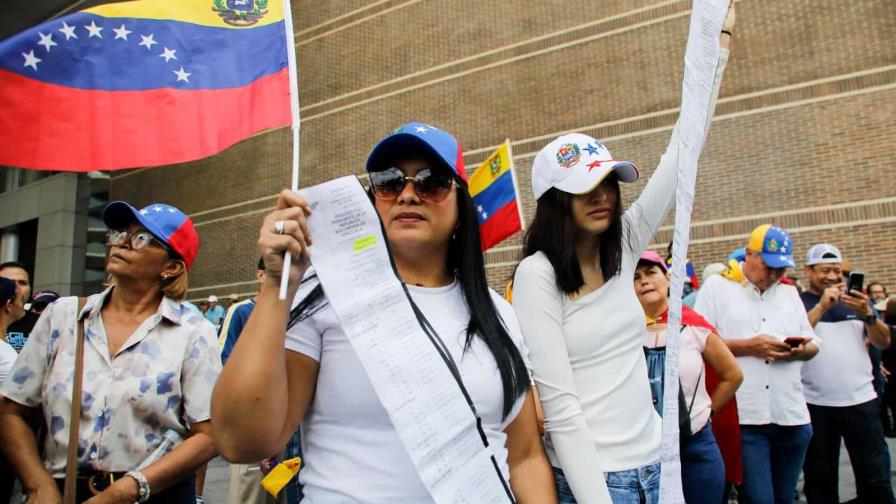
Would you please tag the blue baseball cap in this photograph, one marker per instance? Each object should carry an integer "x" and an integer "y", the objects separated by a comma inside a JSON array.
[
  {"x": 774, "y": 245},
  {"x": 738, "y": 254},
  {"x": 418, "y": 135},
  {"x": 168, "y": 224}
]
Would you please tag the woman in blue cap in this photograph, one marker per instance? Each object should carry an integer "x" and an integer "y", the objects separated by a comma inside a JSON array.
[
  {"x": 149, "y": 364},
  {"x": 281, "y": 374}
]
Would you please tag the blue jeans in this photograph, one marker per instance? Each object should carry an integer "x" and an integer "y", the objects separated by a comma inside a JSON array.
[
  {"x": 773, "y": 457},
  {"x": 702, "y": 468},
  {"x": 293, "y": 491},
  {"x": 634, "y": 486}
]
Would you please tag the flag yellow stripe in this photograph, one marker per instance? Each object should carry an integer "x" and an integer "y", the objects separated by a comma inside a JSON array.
[
  {"x": 189, "y": 11},
  {"x": 483, "y": 176}
]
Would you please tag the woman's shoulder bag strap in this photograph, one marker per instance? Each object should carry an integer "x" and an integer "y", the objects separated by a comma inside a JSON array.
[{"x": 71, "y": 459}]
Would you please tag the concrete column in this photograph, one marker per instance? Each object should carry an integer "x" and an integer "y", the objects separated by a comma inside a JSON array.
[{"x": 9, "y": 246}]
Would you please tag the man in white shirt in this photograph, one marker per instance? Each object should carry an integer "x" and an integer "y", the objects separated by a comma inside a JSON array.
[
  {"x": 765, "y": 325},
  {"x": 839, "y": 387}
]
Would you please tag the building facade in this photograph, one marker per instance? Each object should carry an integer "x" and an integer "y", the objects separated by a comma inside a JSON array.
[{"x": 803, "y": 134}]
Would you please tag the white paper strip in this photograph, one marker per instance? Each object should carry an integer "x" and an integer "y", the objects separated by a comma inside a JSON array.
[{"x": 700, "y": 60}]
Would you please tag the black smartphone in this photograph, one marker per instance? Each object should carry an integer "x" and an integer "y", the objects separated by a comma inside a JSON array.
[{"x": 855, "y": 281}]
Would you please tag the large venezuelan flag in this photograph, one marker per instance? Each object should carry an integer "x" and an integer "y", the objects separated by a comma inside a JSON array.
[
  {"x": 142, "y": 83},
  {"x": 494, "y": 193}
]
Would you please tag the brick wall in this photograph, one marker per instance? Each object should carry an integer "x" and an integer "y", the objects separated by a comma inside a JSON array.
[{"x": 803, "y": 134}]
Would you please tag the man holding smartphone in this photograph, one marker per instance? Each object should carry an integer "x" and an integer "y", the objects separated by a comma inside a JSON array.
[
  {"x": 764, "y": 324},
  {"x": 838, "y": 383}
]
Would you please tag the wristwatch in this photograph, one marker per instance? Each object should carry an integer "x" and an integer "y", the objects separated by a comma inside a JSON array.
[
  {"x": 142, "y": 485},
  {"x": 871, "y": 318}
]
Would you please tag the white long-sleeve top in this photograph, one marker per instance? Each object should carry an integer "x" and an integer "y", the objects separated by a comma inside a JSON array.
[{"x": 586, "y": 354}]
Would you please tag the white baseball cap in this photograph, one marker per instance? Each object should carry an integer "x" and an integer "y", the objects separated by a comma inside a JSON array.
[
  {"x": 213, "y": 299},
  {"x": 575, "y": 163},
  {"x": 823, "y": 253}
]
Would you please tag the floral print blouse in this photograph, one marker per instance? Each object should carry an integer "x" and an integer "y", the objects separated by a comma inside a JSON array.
[{"x": 160, "y": 379}]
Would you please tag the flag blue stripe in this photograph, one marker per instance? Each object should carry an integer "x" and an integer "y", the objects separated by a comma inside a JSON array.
[
  {"x": 496, "y": 195},
  {"x": 215, "y": 58}
]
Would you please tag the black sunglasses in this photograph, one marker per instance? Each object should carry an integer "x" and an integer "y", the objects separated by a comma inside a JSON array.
[{"x": 430, "y": 186}]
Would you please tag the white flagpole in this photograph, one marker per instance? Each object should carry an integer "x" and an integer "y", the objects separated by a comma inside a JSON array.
[
  {"x": 516, "y": 187},
  {"x": 296, "y": 124}
]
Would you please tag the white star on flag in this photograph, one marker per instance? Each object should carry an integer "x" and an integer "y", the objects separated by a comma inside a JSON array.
[
  {"x": 144, "y": 212},
  {"x": 157, "y": 208},
  {"x": 94, "y": 30},
  {"x": 171, "y": 210},
  {"x": 421, "y": 129},
  {"x": 147, "y": 42},
  {"x": 68, "y": 31},
  {"x": 31, "y": 60},
  {"x": 46, "y": 40},
  {"x": 168, "y": 54},
  {"x": 182, "y": 75},
  {"x": 121, "y": 33}
]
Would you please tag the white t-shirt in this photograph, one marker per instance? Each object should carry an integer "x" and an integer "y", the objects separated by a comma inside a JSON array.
[
  {"x": 353, "y": 452},
  {"x": 7, "y": 359},
  {"x": 841, "y": 373}
]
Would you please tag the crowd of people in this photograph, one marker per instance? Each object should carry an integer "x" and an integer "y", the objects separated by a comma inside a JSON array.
[{"x": 124, "y": 396}]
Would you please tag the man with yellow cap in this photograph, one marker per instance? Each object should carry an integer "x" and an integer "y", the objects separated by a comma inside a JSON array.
[{"x": 766, "y": 327}]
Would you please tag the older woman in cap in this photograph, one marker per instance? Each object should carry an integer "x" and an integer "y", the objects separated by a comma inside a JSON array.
[
  {"x": 702, "y": 468},
  {"x": 149, "y": 365}
]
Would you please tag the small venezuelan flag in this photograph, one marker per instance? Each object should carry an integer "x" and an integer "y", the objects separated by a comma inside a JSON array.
[
  {"x": 494, "y": 191},
  {"x": 142, "y": 83}
]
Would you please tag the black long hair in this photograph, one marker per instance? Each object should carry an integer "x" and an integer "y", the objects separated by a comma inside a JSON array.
[
  {"x": 466, "y": 262},
  {"x": 553, "y": 232}
]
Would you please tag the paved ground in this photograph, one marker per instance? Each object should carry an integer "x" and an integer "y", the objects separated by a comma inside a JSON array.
[{"x": 217, "y": 477}]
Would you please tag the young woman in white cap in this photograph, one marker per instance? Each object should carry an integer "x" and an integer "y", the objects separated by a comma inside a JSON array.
[
  {"x": 298, "y": 366},
  {"x": 581, "y": 320}
]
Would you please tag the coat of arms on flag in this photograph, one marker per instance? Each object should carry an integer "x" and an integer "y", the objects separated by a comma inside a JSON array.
[{"x": 494, "y": 191}]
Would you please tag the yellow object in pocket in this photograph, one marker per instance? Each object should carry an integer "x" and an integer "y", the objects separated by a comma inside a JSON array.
[{"x": 280, "y": 475}]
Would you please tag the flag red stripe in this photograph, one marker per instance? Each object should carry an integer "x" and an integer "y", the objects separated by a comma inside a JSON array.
[
  {"x": 50, "y": 127},
  {"x": 500, "y": 225}
]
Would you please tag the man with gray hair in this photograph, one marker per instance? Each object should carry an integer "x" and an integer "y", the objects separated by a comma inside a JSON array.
[{"x": 838, "y": 385}]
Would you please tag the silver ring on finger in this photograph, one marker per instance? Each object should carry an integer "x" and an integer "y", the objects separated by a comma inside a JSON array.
[{"x": 279, "y": 227}]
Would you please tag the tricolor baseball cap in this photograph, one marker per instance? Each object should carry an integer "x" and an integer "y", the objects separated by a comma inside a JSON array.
[
  {"x": 168, "y": 224},
  {"x": 417, "y": 135},
  {"x": 774, "y": 245},
  {"x": 576, "y": 164},
  {"x": 823, "y": 253}
]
